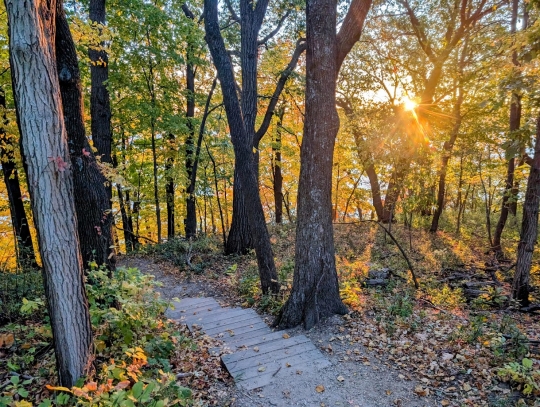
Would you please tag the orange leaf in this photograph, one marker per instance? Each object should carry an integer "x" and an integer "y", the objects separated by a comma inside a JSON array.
[{"x": 122, "y": 385}]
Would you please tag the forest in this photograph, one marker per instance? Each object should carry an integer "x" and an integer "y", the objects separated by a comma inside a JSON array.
[{"x": 372, "y": 163}]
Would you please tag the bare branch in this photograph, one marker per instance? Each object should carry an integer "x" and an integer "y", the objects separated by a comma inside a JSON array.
[
  {"x": 351, "y": 29},
  {"x": 275, "y": 30},
  {"x": 301, "y": 46}
]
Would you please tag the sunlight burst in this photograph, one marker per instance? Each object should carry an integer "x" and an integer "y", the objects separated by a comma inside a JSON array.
[{"x": 409, "y": 105}]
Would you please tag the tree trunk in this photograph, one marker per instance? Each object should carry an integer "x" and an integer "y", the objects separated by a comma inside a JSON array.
[
  {"x": 92, "y": 203},
  {"x": 169, "y": 186},
  {"x": 315, "y": 291},
  {"x": 100, "y": 105},
  {"x": 44, "y": 140},
  {"x": 375, "y": 191},
  {"x": 26, "y": 255},
  {"x": 510, "y": 191},
  {"x": 191, "y": 214},
  {"x": 276, "y": 169},
  {"x": 243, "y": 146},
  {"x": 529, "y": 228},
  {"x": 393, "y": 191},
  {"x": 449, "y": 145}
]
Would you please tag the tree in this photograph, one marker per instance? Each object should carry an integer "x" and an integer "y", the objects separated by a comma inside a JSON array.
[
  {"x": 250, "y": 19},
  {"x": 529, "y": 228},
  {"x": 508, "y": 203},
  {"x": 26, "y": 254},
  {"x": 315, "y": 292},
  {"x": 92, "y": 199},
  {"x": 240, "y": 124},
  {"x": 44, "y": 141}
]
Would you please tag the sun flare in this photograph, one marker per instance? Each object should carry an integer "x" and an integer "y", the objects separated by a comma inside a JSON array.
[{"x": 409, "y": 105}]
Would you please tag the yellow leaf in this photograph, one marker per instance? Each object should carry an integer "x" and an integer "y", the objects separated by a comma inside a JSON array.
[
  {"x": 57, "y": 388},
  {"x": 319, "y": 388},
  {"x": 286, "y": 336},
  {"x": 23, "y": 403}
]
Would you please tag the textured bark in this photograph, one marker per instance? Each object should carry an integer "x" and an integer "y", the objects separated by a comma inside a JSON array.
[
  {"x": 239, "y": 240},
  {"x": 37, "y": 95},
  {"x": 92, "y": 202},
  {"x": 170, "y": 187},
  {"x": 276, "y": 170},
  {"x": 510, "y": 192},
  {"x": 315, "y": 292},
  {"x": 375, "y": 191},
  {"x": 394, "y": 189},
  {"x": 190, "y": 222},
  {"x": 242, "y": 142},
  {"x": 529, "y": 228},
  {"x": 100, "y": 105},
  {"x": 25, "y": 253}
]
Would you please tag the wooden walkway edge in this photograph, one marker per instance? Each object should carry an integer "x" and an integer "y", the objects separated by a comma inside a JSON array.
[{"x": 259, "y": 355}]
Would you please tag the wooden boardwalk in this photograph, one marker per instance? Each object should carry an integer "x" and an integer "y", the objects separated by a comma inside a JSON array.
[{"x": 259, "y": 354}]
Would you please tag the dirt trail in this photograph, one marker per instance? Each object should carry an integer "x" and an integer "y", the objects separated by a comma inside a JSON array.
[{"x": 355, "y": 378}]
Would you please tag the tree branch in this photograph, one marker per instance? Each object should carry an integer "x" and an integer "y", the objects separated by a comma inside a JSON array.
[
  {"x": 275, "y": 30},
  {"x": 234, "y": 16},
  {"x": 301, "y": 46},
  {"x": 351, "y": 29}
]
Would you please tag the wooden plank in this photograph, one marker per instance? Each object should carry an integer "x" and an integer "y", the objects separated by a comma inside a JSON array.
[
  {"x": 265, "y": 348},
  {"x": 209, "y": 317},
  {"x": 284, "y": 373},
  {"x": 257, "y": 340},
  {"x": 243, "y": 330},
  {"x": 200, "y": 308},
  {"x": 191, "y": 302},
  {"x": 238, "y": 340},
  {"x": 214, "y": 329},
  {"x": 252, "y": 377},
  {"x": 232, "y": 318},
  {"x": 275, "y": 354}
]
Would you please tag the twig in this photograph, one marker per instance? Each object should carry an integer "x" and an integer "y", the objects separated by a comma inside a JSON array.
[
  {"x": 416, "y": 285},
  {"x": 182, "y": 375}
]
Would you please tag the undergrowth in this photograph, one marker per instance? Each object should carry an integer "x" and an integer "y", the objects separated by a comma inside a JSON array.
[{"x": 136, "y": 350}]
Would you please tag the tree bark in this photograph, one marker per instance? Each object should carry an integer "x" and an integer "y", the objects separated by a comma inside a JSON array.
[
  {"x": 243, "y": 144},
  {"x": 375, "y": 190},
  {"x": 239, "y": 239},
  {"x": 26, "y": 255},
  {"x": 276, "y": 170},
  {"x": 92, "y": 202},
  {"x": 315, "y": 292},
  {"x": 191, "y": 210},
  {"x": 510, "y": 192},
  {"x": 100, "y": 105},
  {"x": 44, "y": 140},
  {"x": 529, "y": 228}
]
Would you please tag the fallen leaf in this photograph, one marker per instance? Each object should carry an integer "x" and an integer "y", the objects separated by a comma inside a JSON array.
[
  {"x": 319, "y": 388},
  {"x": 286, "y": 336},
  {"x": 287, "y": 364},
  {"x": 261, "y": 369},
  {"x": 340, "y": 378},
  {"x": 467, "y": 387},
  {"x": 256, "y": 349},
  {"x": 445, "y": 403}
]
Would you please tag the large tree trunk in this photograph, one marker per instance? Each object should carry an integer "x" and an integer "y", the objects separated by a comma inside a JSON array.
[
  {"x": 44, "y": 140},
  {"x": 394, "y": 189},
  {"x": 529, "y": 228},
  {"x": 243, "y": 145},
  {"x": 510, "y": 190},
  {"x": 100, "y": 105},
  {"x": 315, "y": 292},
  {"x": 92, "y": 202},
  {"x": 25, "y": 252}
]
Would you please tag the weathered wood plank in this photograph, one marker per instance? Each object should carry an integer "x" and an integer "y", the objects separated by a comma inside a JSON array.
[
  {"x": 265, "y": 348},
  {"x": 232, "y": 318},
  {"x": 243, "y": 330},
  {"x": 275, "y": 355},
  {"x": 218, "y": 314},
  {"x": 240, "y": 340},
  {"x": 215, "y": 329}
]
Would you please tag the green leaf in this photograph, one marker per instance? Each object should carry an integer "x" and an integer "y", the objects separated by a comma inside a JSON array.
[
  {"x": 527, "y": 363},
  {"x": 137, "y": 389},
  {"x": 22, "y": 392}
]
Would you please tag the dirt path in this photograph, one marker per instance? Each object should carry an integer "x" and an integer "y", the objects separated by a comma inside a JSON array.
[{"x": 355, "y": 378}]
